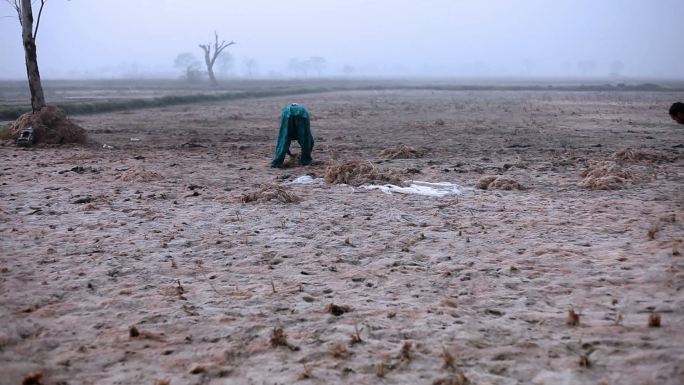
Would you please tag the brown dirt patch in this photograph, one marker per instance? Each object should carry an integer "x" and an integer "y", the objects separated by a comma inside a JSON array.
[
  {"x": 50, "y": 126},
  {"x": 359, "y": 172}
]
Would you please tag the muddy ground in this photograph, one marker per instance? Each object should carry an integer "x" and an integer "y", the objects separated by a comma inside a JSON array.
[{"x": 139, "y": 264}]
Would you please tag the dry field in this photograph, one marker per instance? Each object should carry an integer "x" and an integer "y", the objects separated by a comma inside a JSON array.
[{"x": 142, "y": 264}]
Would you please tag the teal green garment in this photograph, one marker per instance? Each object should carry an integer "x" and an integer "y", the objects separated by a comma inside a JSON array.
[{"x": 294, "y": 125}]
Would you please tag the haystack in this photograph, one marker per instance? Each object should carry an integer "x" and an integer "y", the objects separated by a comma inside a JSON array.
[
  {"x": 359, "y": 172},
  {"x": 402, "y": 151},
  {"x": 268, "y": 193},
  {"x": 50, "y": 126},
  {"x": 605, "y": 175},
  {"x": 497, "y": 183}
]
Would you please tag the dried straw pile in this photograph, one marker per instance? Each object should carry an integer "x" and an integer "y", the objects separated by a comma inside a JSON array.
[
  {"x": 50, "y": 126},
  {"x": 267, "y": 193},
  {"x": 358, "y": 172},
  {"x": 402, "y": 151},
  {"x": 497, "y": 183},
  {"x": 631, "y": 155},
  {"x": 139, "y": 175},
  {"x": 605, "y": 175}
]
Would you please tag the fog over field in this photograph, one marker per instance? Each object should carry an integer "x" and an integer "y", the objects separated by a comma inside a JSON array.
[{"x": 382, "y": 38}]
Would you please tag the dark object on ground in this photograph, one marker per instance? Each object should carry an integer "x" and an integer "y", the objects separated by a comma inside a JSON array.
[
  {"x": 294, "y": 125},
  {"x": 26, "y": 137}
]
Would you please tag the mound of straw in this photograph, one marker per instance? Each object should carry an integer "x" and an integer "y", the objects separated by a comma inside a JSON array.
[
  {"x": 267, "y": 193},
  {"x": 402, "y": 151},
  {"x": 497, "y": 183},
  {"x": 631, "y": 155},
  {"x": 605, "y": 175},
  {"x": 50, "y": 126},
  {"x": 357, "y": 173},
  {"x": 139, "y": 175}
]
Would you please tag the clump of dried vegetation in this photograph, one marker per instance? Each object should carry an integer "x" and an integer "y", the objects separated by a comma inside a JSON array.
[
  {"x": 457, "y": 379},
  {"x": 139, "y": 175},
  {"x": 402, "y": 151},
  {"x": 268, "y": 193},
  {"x": 497, "y": 183},
  {"x": 50, "y": 126},
  {"x": 279, "y": 338},
  {"x": 605, "y": 175},
  {"x": 631, "y": 155},
  {"x": 358, "y": 172}
]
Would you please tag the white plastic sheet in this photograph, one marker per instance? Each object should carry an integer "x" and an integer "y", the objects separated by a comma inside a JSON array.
[
  {"x": 306, "y": 179},
  {"x": 439, "y": 189}
]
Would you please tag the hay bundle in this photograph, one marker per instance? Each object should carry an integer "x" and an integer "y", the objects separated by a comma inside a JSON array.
[
  {"x": 268, "y": 193},
  {"x": 357, "y": 173},
  {"x": 497, "y": 183},
  {"x": 139, "y": 175},
  {"x": 605, "y": 175},
  {"x": 631, "y": 155},
  {"x": 402, "y": 151},
  {"x": 50, "y": 126}
]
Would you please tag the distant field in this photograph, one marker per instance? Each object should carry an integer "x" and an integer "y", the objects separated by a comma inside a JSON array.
[{"x": 94, "y": 96}]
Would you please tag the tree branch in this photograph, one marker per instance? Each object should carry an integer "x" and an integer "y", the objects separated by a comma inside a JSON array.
[
  {"x": 15, "y": 4},
  {"x": 40, "y": 12}
]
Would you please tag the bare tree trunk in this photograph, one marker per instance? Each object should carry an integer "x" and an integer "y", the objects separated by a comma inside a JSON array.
[
  {"x": 210, "y": 68},
  {"x": 36, "y": 88},
  {"x": 210, "y": 58}
]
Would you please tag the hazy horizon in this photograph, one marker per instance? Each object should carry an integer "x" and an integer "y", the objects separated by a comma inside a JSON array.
[{"x": 433, "y": 39}]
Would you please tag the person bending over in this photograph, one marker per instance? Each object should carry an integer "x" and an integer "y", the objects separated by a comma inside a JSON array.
[{"x": 294, "y": 125}]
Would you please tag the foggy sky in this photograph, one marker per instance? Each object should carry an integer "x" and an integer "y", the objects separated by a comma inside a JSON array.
[{"x": 436, "y": 38}]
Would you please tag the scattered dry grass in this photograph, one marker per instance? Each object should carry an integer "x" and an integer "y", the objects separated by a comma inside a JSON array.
[
  {"x": 631, "y": 155},
  {"x": 279, "y": 338},
  {"x": 448, "y": 358},
  {"x": 584, "y": 361},
  {"x": 497, "y": 183},
  {"x": 402, "y": 151},
  {"x": 457, "y": 379},
  {"x": 139, "y": 175},
  {"x": 269, "y": 193},
  {"x": 405, "y": 352},
  {"x": 605, "y": 175},
  {"x": 380, "y": 369},
  {"x": 340, "y": 351},
  {"x": 306, "y": 373},
  {"x": 653, "y": 231},
  {"x": 357, "y": 173},
  {"x": 356, "y": 336}
]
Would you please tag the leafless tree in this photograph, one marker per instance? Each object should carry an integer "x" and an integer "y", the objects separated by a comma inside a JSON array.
[
  {"x": 28, "y": 33},
  {"x": 211, "y": 53}
]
